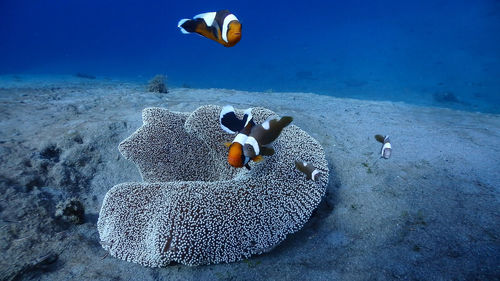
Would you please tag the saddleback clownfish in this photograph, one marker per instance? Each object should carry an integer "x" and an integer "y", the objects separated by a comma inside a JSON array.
[
  {"x": 221, "y": 26},
  {"x": 231, "y": 124},
  {"x": 386, "y": 150},
  {"x": 264, "y": 134},
  {"x": 311, "y": 172}
]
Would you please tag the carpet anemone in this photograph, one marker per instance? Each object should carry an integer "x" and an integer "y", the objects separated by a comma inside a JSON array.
[{"x": 192, "y": 206}]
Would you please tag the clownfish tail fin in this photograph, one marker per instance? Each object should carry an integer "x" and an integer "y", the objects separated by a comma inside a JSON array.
[
  {"x": 228, "y": 120},
  {"x": 230, "y": 123},
  {"x": 285, "y": 121},
  {"x": 187, "y": 26}
]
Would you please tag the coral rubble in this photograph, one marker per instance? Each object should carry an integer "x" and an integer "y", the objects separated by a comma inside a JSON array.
[
  {"x": 158, "y": 84},
  {"x": 71, "y": 211}
]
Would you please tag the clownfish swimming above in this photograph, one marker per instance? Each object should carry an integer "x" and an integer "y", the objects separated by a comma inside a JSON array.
[
  {"x": 264, "y": 134},
  {"x": 221, "y": 26},
  {"x": 386, "y": 150},
  {"x": 231, "y": 124}
]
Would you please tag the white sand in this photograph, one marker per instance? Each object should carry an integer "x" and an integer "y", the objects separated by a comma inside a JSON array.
[{"x": 431, "y": 211}]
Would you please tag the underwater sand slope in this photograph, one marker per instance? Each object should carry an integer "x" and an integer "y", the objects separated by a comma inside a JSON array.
[{"x": 429, "y": 212}]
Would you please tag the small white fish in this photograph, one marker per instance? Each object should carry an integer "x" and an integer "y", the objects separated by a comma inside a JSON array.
[
  {"x": 311, "y": 172},
  {"x": 386, "y": 150}
]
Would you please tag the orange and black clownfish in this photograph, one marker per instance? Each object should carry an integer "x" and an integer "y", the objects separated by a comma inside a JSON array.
[
  {"x": 231, "y": 124},
  {"x": 263, "y": 135},
  {"x": 221, "y": 26}
]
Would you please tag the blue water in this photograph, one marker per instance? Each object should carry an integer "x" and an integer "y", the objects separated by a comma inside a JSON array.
[{"x": 412, "y": 51}]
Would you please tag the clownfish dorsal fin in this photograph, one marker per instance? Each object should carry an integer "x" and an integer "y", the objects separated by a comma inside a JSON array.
[
  {"x": 227, "y": 144},
  {"x": 207, "y": 17},
  {"x": 266, "y": 124}
]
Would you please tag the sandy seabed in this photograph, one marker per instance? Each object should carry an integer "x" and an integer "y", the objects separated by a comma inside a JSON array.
[{"x": 430, "y": 212}]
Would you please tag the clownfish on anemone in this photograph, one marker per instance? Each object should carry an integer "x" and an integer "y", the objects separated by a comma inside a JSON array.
[
  {"x": 230, "y": 123},
  {"x": 251, "y": 140},
  {"x": 308, "y": 169},
  {"x": 263, "y": 135},
  {"x": 221, "y": 26}
]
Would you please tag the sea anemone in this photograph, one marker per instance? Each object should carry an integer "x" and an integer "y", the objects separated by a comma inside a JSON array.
[{"x": 193, "y": 207}]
